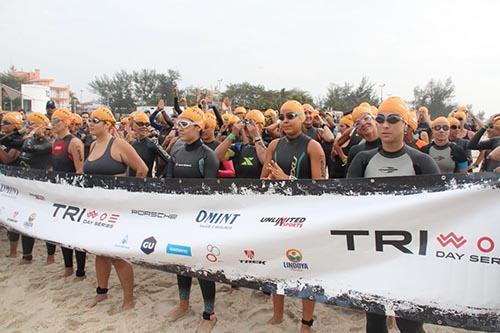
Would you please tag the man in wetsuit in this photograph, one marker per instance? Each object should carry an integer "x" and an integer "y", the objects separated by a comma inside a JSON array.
[
  {"x": 193, "y": 160},
  {"x": 392, "y": 158},
  {"x": 365, "y": 125},
  {"x": 68, "y": 156},
  {"x": 449, "y": 157},
  {"x": 295, "y": 156},
  {"x": 412, "y": 139},
  {"x": 492, "y": 128},
  {"x": 11, "y": 142},
  {"x": 50, "y": 107},
  {"x": 455, "y": 126}
]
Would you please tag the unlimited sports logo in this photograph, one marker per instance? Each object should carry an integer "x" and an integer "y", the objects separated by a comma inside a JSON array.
[
  {"x": 295, "y": 261},
  {"x": 285, "y": 222},
  {"x": 83, "y": 215}
]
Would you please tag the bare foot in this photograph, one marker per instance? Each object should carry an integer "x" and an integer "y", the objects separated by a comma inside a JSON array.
[
  {"x": 306, "y": 329},
  {"x": 97, "y": 299},
  {"x": 50, "y": 260},
  {"x": 11, "y": 255},
  {"x": 68, "y": 271},
  {"x": 25, "y": 262},
  {"x": 79, "y": 278},
  {"x": 129, "y": 305},
  {"x": 275, "y": 320},
  {"x": 206, "y": 326},
  {"x": 177, "y": 313},
  {"x": 391, "y": 322}
]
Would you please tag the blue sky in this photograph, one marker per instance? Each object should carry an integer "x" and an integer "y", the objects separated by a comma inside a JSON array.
[{"x": 304, "y": 44}]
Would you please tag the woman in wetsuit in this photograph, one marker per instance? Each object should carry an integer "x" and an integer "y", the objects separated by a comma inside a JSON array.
[
  {"x": 193, "y": 160},
  {"x": 111, "y": 156}
]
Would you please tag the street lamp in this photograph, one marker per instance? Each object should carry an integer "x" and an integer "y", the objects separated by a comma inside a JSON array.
[{"x": 381, "y": 86}]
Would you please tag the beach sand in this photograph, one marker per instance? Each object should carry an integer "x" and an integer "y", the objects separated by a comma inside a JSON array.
[{"x": 34, "y": 298}]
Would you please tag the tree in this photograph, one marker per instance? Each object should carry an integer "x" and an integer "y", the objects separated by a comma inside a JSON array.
[
  {"x": 346, "y": 97},
  {"x": 13, "y": 82},
  {"x": 437, "y": 96}
]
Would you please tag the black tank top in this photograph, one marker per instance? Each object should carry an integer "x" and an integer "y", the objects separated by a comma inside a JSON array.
[
  {"x": 62, "y": 160},
  {"x": 291, "y": 155},
  {"x": 104, "y": 165}
]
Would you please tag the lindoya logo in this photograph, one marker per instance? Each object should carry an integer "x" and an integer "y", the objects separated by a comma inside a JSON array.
[
  {"x": 148, "y": 245},
  {"x": 216, "y": 220}
]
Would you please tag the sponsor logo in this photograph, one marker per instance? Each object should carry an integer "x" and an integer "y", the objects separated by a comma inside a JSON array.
[
  {"x": 179, "y": 250},
  {"x": 148, "y": 245},
  {"x": 13, "y": 217},
  {"x": 8, "y": 191},
  {"x": 295, "y": 260},
  {"x": 213, "y": 253},
  {"x": 29, "y": 222},
  {"x": 388, "y": 169},
  {"x": 37, "y": 196},
  {"x": 473, "y": 250},
  {"x": 83, "y": 215},
  {"x": 123, "y": 243},
  {"x": 158, "y": 215},
  {"x": 287, "y": 222},
  {"x": 216, "y": 220},
  {"x": 247, "y": 161},
  {"x": 250, "y": 254}
]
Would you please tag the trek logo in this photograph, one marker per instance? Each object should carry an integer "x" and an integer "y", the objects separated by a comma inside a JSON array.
[
  {"x": 388, "y": 169},
  {"x": 13, "y": 218},
  {"x": 401, "y": 240},
  {"x": 158, "y": 215},
  {"x": 250, "y": 254},
  {"x": 82, "y": 215},
  {"x": 451, "y": 238},
  {"x": 179, "y": 250},
  {"x": 29, "y": 222},
  {"x": 247, "y": 161},
  {"x": 216, "y": 220},
  {"x": 295, "y": 259},
  {"x": 8, "y": 191},
  {"x": 213, "y": 253},
  {"x": 287, "y": 222},
  {"x": 148, "y": 245},
  {"x": 123, "y": 243}
]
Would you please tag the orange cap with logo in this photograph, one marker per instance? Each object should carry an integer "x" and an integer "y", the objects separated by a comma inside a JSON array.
[
  {"x": 63, "y": 115},
  {"x": 454, "y": 121},
  {"x": 256, "y": 116},
  {"x": 440, "y": 121},
  {"x": 15, "y": 118},
  {"x": 210, "y": 121},
  {"x": 396, "y": 105},
  {"x": 195, "y": 115},
  {"x": 423, "y": 109},
  {"x": 308, "y": 107},
  {"x": 37, "y": 118},
  {"x": 270, "y": 113},
  {"x": 294, "y": 106},
  {"x": 460, "y": 114},
  {"x": 361, "y": 110},
  {"x": 140, "y": 117},
  {"x": 104, "y": 114},
  {"x": 240, "y": 110},
  {"x": 76, "y": 119},
  {"x": 412, "y": 120},
  {"x": 347, "y": 120}
]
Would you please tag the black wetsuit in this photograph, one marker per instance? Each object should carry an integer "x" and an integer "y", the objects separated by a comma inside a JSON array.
[
  {"x": 339, "y": 168},
  {"x": 195, "y": 160},
  {"x": 213, "y": 145},
  {"x": 450, "y": 158},
  {"x": 463, "y": 143},
  {"x": 424, "y": 127},
  {"x": 104, "y": 165},
  {"x": 378, "y": 163},
  {"x": 362, "y": 146},
  {"x": 62, "y": 161},
  {"x": 87, "y": 139},
  {"x": 488, "y": 144},
  {"x": 292, "y": 157},
  {"x": 148, "y": 151},
  {"x": 311, "y": 132},
  {"x": 35, "y": 154},
  {"x": 246, "y": 161}
]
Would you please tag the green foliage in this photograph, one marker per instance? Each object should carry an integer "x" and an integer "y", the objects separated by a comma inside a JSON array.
[
  {"x": 347, "y": 96},
  {"x": 13, "y": 82},
  {"x": 437, "y": 96}
]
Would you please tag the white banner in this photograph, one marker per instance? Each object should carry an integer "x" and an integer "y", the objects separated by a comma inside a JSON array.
[{"x": 433, "y": 256}]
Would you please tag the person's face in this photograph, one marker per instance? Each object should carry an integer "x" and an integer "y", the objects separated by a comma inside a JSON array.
[
  {"x": 365, "y": 125},
  {"x": 140, "y": 128},
  {"x": 291, "y": 124},
  {"x": 391, "y": 128},
  {"x": 454, "y": 129},
  {"x": 461, "y": 119},
  {"x": 58, "y": 126},
  {"x": 97, "y": 127},
  {"x": 493, "y": 131},
  {"x": 50, "y": 112},
  {"x": 240, "y": 115},
  {"x": 188, "y": 130},
  {"x": 7, "y": 127},
  {"x": 421, "y": 116},
  {"x": 343, "y": 128},
  {"x": 208, "y": 134},
  {"x": 85, "y": 118},
  {"x": 441, "y": 132},
  {"x": 309, "y": 117}
]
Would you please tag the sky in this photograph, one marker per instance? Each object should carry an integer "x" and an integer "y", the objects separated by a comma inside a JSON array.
[{"x": 280, "y": 44}]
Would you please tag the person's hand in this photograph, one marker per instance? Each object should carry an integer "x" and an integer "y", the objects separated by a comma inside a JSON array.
[
  {"x": 275, "y": 172},
  {"x": 237, "y": 128},
  {"x": 161, "y": 104},
  {"x": 175, "y": 91},
  {"x": 226, "y": 103},
  {"x": 182, "y": 101},
  {"x": 210, "y": 97},
  {"x": 253, "y": 130}
]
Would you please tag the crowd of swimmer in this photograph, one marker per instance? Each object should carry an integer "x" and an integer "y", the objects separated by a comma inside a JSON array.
[{"x": 296, "y": 142}]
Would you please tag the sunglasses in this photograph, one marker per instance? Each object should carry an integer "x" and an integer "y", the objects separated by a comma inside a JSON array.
[
  {"x": 454, "y": 127},
  {"x": 290, "y": 116},
  {"x": 55, "y": 121},
  {"x": 363, "y": 120},
  {"x": 142, "y": 124},
  {"x": 6, "y": 123},
  {"x": 95, "y": 120},
  {"x": 441, "y": 127},
  {"x": 459, "y": 119},
  {"x": 391, "y": 119},
  {"x": 184, "y": 123}
]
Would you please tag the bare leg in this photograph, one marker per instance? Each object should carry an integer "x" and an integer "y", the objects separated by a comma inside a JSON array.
[
  {"x": 278, "y": 308},
  {"x": 13, "y": 249},
  {"x": 125, "y": 274},
  {"x": 184, "y": 283},
  {"x": 206, "y": 325},
  {"x": 102, "y": 270},
  {"x": 307, "y": 314}
]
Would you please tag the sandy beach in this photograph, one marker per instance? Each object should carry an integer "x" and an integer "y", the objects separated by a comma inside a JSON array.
[{"x": 34, "y": 298}]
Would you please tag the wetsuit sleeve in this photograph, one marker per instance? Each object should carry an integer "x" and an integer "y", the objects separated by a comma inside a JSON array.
[
  {"x": 38, "y": 148},
  {"x": 177, "y": 107},
  {"x": 152, "y": 120},
  {"x": 352, "y": 153},
  {"x": 12, "y": 141},
  {"x": 358, "y": 166},
  {"x": 475, "y": 144},
  {"x": 211, "y": 164},
  {"x": 220, "y": 121},
  {"x": 459, "y": 156},
  {"x": 170, "y": 167},
  {"x": 423, "y": 164}
]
